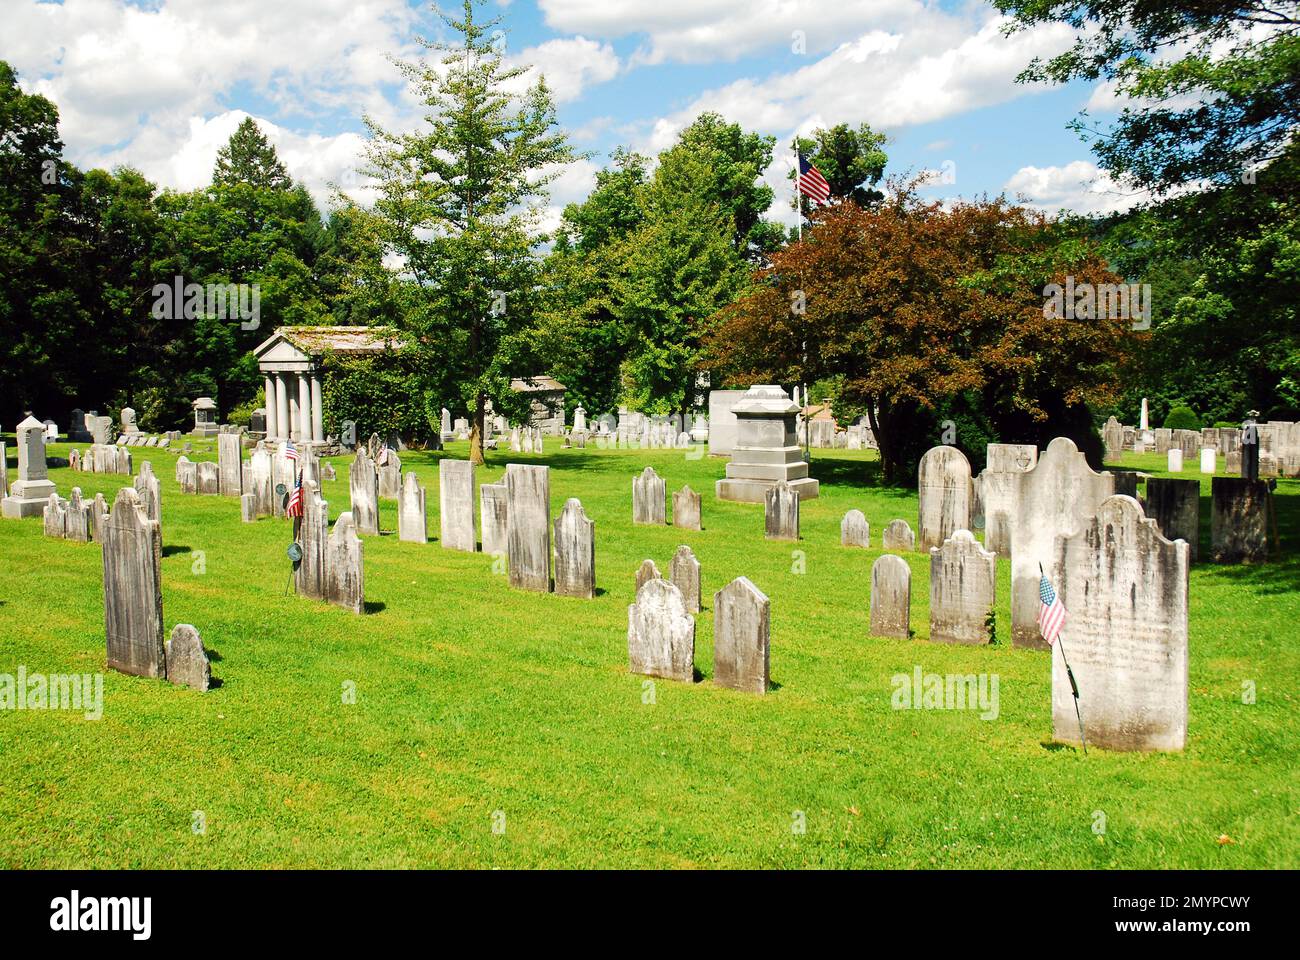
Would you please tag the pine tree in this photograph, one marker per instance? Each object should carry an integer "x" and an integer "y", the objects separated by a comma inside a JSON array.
[
  {"x": 459, "y": 203},
  {"x": 248, "y": 157}
]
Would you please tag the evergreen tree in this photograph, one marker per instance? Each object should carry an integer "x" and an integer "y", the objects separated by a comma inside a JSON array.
[{"x": 248, "y": 157}]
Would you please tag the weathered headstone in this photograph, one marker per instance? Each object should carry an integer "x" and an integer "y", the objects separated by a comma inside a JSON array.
[
  {"x": 492, "y": 515},
  {"x": 686, "y": 509},
  {"x": 1175, "y": 506},
  {"x": 855, "y": 531},
  {"x": 962, "y": 587},
  {"x": 133, "y": 616},
  {"x": 646, "y": 572},
  {"x": 363, "y": 483},
  {"x": 55, "y": 517},
  {"x": 309, "y": 575},
  {"x": 649, "y": 498},
  {"x": 575, "y": 552},
  {"x": 209, "y": 477},
  {"x": 98, "y": 518},
  {"x": 230, "y": 482},
  {"x": 781, "y": 512},
  {"x": 528, "y": 526},
  {"x": 660, "y": 633},
  {"x": 1125, "y": 587},
  {"x": 31, "y": 491},
  {"x": 78, "y": 522},
  {"x": 150, "y": 491},
  {"x": 1112, "y": 436},
  {"x": 999, "y": 491},
  {"x": 891, "y": 597},
  {"x": 389, "y": 469},
  {"x": 456, "y": 505},
  {"x": 742, "y": 637},
  {"x": 1057, "y": 498},
  {"x": 898, "y": 536},
  {"x": 412, "y": 520},
  {"x": 187, "y": 475},
  {"x": 1239, "y": 520},
  {"x": 248, "y": 508},
  {"x": 344, "y": 566},
  {"x": 944, "y": 487},
  {"x": 684, "y": 571},
  {"x": 187, "y": 661}
]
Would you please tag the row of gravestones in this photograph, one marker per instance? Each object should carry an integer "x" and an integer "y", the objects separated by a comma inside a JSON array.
[
  {"x": 649, "y": 502},
  {"x": 102, "y": 458},
  {"x": 83, "y": 521}
]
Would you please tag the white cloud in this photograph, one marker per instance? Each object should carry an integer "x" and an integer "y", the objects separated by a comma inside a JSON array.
[
  {"x": 1081, "y": 187},
  {"x": 571, "y": 65}
]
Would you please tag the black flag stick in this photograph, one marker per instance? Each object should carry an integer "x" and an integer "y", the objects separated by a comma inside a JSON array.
[{"x": 1074, "y": 687}]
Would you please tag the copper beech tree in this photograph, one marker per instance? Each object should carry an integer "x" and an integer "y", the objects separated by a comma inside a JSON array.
[{"x": 915, "y": 306}]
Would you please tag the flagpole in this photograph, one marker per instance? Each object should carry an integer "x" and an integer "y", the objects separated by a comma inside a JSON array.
[
  {"x": 798, "y": 213},
  {"x": 798, "y": 197},
  {"x": 1074, "y": 687}
]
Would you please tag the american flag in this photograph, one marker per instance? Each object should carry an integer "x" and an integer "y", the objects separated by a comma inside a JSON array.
[
  {"x": 294, "y": 507},
  {"x": 290, "y": 451},
  {"x": 1051, "y": 615},
  {"x": 812, "y": 183},
  {"x": 382, "y": 458}
]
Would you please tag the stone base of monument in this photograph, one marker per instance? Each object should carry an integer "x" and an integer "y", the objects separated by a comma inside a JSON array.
[
  {"x": 27, "y": 498},
  {"x": 755, "y": 491},
  {"x": 766, "y": 449}
]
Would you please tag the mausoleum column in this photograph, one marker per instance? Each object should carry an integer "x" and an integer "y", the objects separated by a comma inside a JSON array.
[
  {"x": 304, "y": 408},
  {"x": 270, "y": 405},
  {"x": 281, "y": 407},
  {"x": 317, "y": 409}
]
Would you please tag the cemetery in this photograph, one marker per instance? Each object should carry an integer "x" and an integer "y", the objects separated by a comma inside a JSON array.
[{"x": 747, "y": 493}]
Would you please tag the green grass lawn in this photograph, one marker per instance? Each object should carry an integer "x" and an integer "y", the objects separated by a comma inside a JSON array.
[{"x": 472, "y": 698}]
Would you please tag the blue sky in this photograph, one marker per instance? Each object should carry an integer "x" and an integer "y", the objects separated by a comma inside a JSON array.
[{"x": 160, "y": 85}]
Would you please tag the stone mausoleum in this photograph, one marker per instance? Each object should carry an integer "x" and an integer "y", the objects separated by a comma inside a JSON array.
[{"x": 290, "y": 360}]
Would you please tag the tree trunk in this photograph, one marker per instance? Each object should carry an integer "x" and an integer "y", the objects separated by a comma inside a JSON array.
[
  {"x": 883, "y": 442},
  {"x": 476, "y": 433}
]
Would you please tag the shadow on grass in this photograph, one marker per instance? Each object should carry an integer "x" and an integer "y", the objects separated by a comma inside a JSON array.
[
  {"x": 174, "y": 549},
  {"x": 374, "y": 606}
]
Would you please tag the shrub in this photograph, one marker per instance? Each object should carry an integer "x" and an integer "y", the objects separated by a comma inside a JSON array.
[{"x": 1182, "y": 418}]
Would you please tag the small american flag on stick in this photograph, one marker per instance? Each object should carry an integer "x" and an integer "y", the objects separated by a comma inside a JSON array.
[
  {"x": 812, "y": 183},
  {"x": 294, "y": 506},
  {"x": 290, "y": 451},
  {"x": 1051, "y": 614}
]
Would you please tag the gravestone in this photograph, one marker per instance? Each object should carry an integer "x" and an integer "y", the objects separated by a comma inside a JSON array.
[
  {"x": 412, "y": 520},
  {"x": 1239, "y": 520},
  {"x": 389, "y": 469},
  {"x": 31, "y": 491},
  {"x": 687, "y": 509},
  {"x": 684, "y": 571},
  {"x": 261, "y": 468},
  {"x": 1208, "y": 458},
  {"x": 742, "y": 637},
  {"x": 944, "y": 487},
  {"x": 187, "y": 661},
  {"x": 187, "y": 475},
  {"x": 1126, "y": 482},
  {"x": 150, "y": 491},
  {"x": 1125, "y": 587},
  {"x": 1174, "y": 462},
  {"x": 963, "y": 583},
  {"x": 649, "y": 498},
  {"x": 898, "y": 536},
  {"x": 999, "y": 490},
  {"x": 528, "y": 526},
  {"x": 78, "y": 522},
  {"x": 891, "y": 597},
  {"x": 1112, "y": 436},
  {"x": 363, "y": 484},
  {"x": 456, "y": 505},
  {"x": 55, "y": 518},
  {"x": 209, "y": 478},
  {"x": 309, "y": 575},
  {"x": 766, "y": 449},
  {"x": 230, "y": 483},
  {"x": 492, "y": 517},
  {"x": 98, "y": 518},
  {"x": 74, "y": 462},
  {"x": 645, "y": 573},
  {"x": 344, "y": 566},
  {"x": 133, "y": 615},
  {"x": 248, "y": 508},
  {"x": 660, "y": 633},
  {"x": 575, "y": 552},
  {"x": 781, "y": 512},
  {"x": 855, "y": 531},
  {"x": 1057, "y": 498},
  {"x": 1175, "y": 506}
]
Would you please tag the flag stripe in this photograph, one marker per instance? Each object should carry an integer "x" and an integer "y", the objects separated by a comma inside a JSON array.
[{"x": 812, "y": 183}]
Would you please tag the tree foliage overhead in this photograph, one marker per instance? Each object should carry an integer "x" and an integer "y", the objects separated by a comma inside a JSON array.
[
  {"x": 1215, "y": 83},
  {"x": 920, "y": 310},
  {"x": 851, "y": 159}
]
